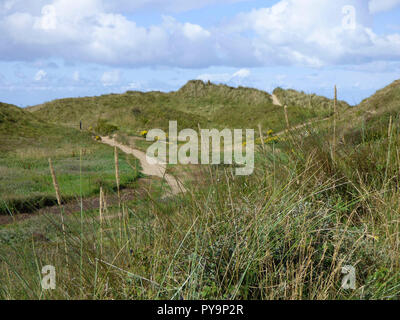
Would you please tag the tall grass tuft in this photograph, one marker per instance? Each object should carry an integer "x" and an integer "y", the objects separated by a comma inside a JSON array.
[
  {"x": 261, "y": 137},
  {"x": 334, "y": 125},
  {"x": 55, "y": 183},
  {"x": 101, "y": 206},
  {"x": 120, "y": 217},
  {"x": 287, "y": 118},
  {"x": 284, "y": 232},
  {"x": 117, "y": 179},
  {"x": 59, "y": 201}
]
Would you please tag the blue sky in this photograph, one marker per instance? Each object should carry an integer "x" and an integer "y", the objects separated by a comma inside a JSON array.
[{"x": 69, "y": 48}]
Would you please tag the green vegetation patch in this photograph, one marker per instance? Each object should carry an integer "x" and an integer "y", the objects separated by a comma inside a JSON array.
[
  {"x": 207, "y": 104},
  {"x": 26, "y": 144}
]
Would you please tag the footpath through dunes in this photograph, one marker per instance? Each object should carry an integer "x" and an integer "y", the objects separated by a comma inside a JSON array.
[
  {"x": 276, "y": 101},
  {"x": 157, "y": 170},
  {"x": 210, "y": 105},
  {"x": 92, "y": 203}
]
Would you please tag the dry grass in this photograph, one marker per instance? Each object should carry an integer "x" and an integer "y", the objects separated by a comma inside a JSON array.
[{"x": 283, "y": 233}]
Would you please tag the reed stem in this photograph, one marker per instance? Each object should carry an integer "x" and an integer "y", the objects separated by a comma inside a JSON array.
[{"x": 59, "y": 201}]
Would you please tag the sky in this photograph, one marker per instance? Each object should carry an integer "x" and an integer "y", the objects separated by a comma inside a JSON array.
[{"x": 52, "y": 49}]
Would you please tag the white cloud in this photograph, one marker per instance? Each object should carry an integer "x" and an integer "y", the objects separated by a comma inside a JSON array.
[
  {"x": 136, "y": 85},
  {"x": 376, "y": 6},
  {"x": 6, "y": 5},
  {"x": 163, "y": 5},
  {"x": 291, "y": 32},
  {"x": 215, "y": 77},
  {"x": 242, "y": 73},
  {"x": 84, "y": 32},
  {"x": 40, "y": 75},
  {"x": 115, "y": 6},
  {"x": 48, "y": 20},
  {"x": 194, "y": 32},
  {"x": 225, "y": 77},
  {"x": 111, "y": 78},
  {"x": 311, "y": 33}
]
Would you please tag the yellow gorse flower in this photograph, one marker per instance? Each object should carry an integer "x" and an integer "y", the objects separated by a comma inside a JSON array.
[
  {"x": 144, "y": 133},
  {"x": 271, "y": 139}
]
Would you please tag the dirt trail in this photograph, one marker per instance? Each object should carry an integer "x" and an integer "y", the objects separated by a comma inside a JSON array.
[
  {"x": 73, "y": 206},
  {"x": 157, "y": 170},
  {"x": 281, "y": 133},
  {"x": 92, "y": 203},
  {"x": 302, "y": 126},
  {"x": 276, "y": 101}
]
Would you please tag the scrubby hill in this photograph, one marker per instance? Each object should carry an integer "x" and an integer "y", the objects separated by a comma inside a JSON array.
[
  {"x": 127, "y": 111},
  {"x": 22, "y": 133},
  {"x": 195, "y": 103},
  {"x": 319, "y": 104},
  {"x": 221, "y": 93},
  {"x": 383, "y": 100},
  {"x": 314, "y": 204},
  {"x": 26, "y": 143},
  {"x": 369, "y": 120},
  {"x": 11, "y": 113},
  {"x": 19, "y": 129}
]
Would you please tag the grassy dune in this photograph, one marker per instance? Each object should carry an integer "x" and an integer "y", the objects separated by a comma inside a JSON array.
[
  {"x": 211, "y": 106},
  {"x": 26, "y": 143},
  {"x": 319, "y": 104},
  {"x": 285, "y": 232}
]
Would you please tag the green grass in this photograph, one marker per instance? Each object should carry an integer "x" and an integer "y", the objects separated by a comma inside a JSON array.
[
  {"x": 387, "y": 98},
  {"x": 27, "y": 143},
  {"x": 312, "y": 102},
  {"x": 292, "y": 225},
  {"x": 27, "y": 183},
  {"x": 211, "y": 106},
  {"x": 284, "y": 232}
]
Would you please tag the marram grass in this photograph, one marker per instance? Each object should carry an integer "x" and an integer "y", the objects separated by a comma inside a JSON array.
[{"x": 283, "y": 233}]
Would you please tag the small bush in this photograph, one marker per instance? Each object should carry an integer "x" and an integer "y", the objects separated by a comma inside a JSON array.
[{"x": 105, "y": 129}]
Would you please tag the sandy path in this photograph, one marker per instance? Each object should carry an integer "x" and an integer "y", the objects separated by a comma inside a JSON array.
[
  {"x": 276, "y": 101},
  {"x": 302, "y": 126},
  {"x": 278, "y": 134},
  {"x": 157, "y": 170}
]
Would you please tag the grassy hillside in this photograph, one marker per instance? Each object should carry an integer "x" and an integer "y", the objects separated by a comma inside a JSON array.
[
  {"x": 26, "y": 143},
  {"x": 211, "y": 106},
  {"x": 285, "y": 232},
  {"x": 319, "y": 105},
  {"x": 369, "y": 120},
  {"x": 385, "y": 99}
]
